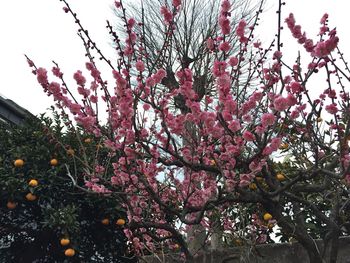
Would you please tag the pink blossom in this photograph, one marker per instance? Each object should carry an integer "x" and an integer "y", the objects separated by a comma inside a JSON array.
[
  {"x": 210, "y": 44},
  {"x": 57, "y": 72},
  {"x": 219, "y": 68},
  {"x": 324, "y": 48},
  {"x": 224, "y": 25},
  {"x": 41, "y": 75},
  {"x": 280, "y": 103},
  {"x": 99, "y": 169},
  {"x": 30, "y": 62},
  {"x": 245, "y": 179},
  {"x": 233, "y": 61},
  {"x": 332, "y": 108},
  {"x": 291, "y": 100},
  {"x": 234, "y": 126},
  {"x": 79, "y": 78},
  {"x": 167, "y": 15},
  {"x": 323, "y": 30},
  {"x": 324, "y": 19},
  {"x": 146, "y": 106},
  {"x": 223, "y": 80},
  {"x": 224, "y": 46},
  {"x": 93, "y": 99},
  {"x": 225, "y": 6},
  {"x": 131, "y": 22},
  {"x": 140, "y": 66},
  {"x": 55, "y": 89},
  {"x": 161, "y": 73},
  {"x": 240, "y": 30},
  {"x": 176, "y": 3},
  {"x": 248, "y": 136},
  {"x": 295, "y": 87},
  {"x": 268, "y": 119},
  {"x": 347, "y": 179},
  {"x": 277, "y": 54},
  {"x": 290, "y": 20}
]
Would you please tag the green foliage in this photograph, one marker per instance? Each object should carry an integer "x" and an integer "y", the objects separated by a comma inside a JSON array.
[{"x": 34, "y": 228}]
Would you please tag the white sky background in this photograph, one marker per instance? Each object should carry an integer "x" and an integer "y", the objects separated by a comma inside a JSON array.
[{"x": 40, "y": 29}]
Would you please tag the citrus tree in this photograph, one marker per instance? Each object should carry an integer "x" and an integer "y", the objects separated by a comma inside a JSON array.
[
  {"x": 44, "y": 217},
  {"x": 215, "y": 161}
]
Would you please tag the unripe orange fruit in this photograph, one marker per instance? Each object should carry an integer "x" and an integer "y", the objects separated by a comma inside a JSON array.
[
  {"x": 238, "y": 242},
  {"x": 54, "y": 162},
  {"x": 18, "y": 163},
  {"x": 253, "y": 186},
  {"x": 284, "y": 146},
  {"x": 33, "y": 183},
  {"x": 30, "y": 197},
  {"x": 259, "y": 179},
  {"x": 267, "y": 216},
  {"x": 70, "y": 252},
  {"x": 120, "y": 222},
  {"x": 280, "y": 177},
  {"x": 11, "y": 205},
  {"x": 70, "y": 152},
  {"x": 105, "y": 221},
  {"x": 99, "y": 146},
  {"x": 64, "y": 242}
]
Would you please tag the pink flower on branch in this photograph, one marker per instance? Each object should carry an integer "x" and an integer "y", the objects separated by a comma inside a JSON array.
[
  {"x": 177, "y": 3},
  {"x": 167, "y": 15},
  {"x": 240, "y": 31}
]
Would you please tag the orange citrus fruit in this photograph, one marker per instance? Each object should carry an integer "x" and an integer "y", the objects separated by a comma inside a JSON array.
[
  {"x": 120, "y": 222},
  {"x": 18, "y": 163},
  {"x": 284, "y": 146},
  {"x": 64, "y": 242},
  {"x": 70, "y": 152},
  {"x": 105, "y": 221},
  {"x": 99, "y": 146},
  {"x": 270, "y": 225},
  {"x": 267, "y": 216},
  {"x": 280, "y": 177},
  {"x": 70, "y": 252},
  {"x": 54, "y": 162},
  {"x": 11, "y": 205},
  {"x": 253, "y": 186},
  {"x": 30, "y": 197},
  {"x": 33, "y": 183}
]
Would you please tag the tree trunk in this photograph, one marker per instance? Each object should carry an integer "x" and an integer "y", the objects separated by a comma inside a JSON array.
[
  {"x": 196, "y": 239},
  {"x": 216, "y": 237}
]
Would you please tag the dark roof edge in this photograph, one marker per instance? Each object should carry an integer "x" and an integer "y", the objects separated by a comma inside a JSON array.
[{"x": 15, "y": 108}]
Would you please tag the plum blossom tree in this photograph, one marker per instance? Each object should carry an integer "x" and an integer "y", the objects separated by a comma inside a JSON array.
[
  {"x": 197, "y": 28},
  {"x": 218, "y": 156}
]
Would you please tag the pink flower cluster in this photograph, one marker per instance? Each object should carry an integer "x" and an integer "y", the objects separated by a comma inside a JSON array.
[
  {"x": 240, "y": 31},
  {"x": 167, "y": 15},
  {"x": 296, "y": 31},
  {"x": 224, "y": 22},
  {"x": 324, "y": 48}
]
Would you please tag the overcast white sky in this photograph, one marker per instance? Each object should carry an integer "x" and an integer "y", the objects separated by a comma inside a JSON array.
[{"x": 40, "y": 29}]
